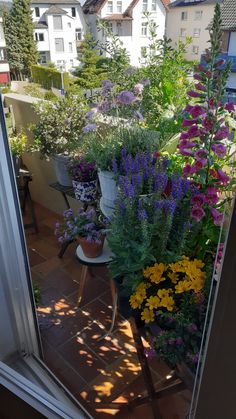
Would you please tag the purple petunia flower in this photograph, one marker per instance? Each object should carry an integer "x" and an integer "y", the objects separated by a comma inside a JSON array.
[
  {"x": 197, "y": 213},
  {"x": 219, "y": 150}
]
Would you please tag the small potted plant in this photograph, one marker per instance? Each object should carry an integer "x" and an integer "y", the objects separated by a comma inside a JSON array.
[
  {"x": 84, "y": 179},
  {"x": 85, "y": 226},
  {"x": 17, "y": 144},
  {"x": 57, "y": 134}
]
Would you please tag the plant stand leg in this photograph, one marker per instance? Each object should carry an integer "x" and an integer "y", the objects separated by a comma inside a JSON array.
[
  {"x": 82, "y": 283},
  {"x": 114, "y": 309},
  {"x": 64, "y": 248}
]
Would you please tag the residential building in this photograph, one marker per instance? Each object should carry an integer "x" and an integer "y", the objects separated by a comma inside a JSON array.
[
  {"x": 191, "y": 18},
  {"x": 125, "y": 18},
  {"x": 229, "y": 38},
  {"x": 59, "y": 27},
  {"x": 4, "y": 66}
]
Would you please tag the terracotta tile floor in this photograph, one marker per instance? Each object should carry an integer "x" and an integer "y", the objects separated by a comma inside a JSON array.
[{"x": 94, "y": 371}]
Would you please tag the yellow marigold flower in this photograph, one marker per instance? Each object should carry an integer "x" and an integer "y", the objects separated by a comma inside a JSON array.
[
  {"x": 154, "y": 273},
  {"x": 134, "y": 302},
  {"x": 182, "y": 286},
  {"x": 147, "y": 315},
  {"x": 163, "y": 293},
  {"x": 167, "y": 302},
  {"x": 173, "y": 277},
  {"x": 153, "y": 302}
]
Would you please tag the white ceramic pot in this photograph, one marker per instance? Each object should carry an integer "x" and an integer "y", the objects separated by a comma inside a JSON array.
[
  {"x": 85, "y": 191},
  {"x": 109, "y": 187},
  {"x": 60, "y": 163}
]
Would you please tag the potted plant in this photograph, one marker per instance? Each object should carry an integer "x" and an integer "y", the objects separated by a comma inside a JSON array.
[
  {"x": 85, "y": 226},
  {"x": 84, "y": 179},
  {"x": 17, "y": 144},
  {"x": 57, "y": 134}
]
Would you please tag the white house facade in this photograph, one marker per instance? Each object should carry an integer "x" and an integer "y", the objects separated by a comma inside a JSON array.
[
  {"x": 59, "y": 26},
  {"x": 126, "y": 19},
  {"x": 4, "y": 66},
  {"x": 191, "y": 18}
]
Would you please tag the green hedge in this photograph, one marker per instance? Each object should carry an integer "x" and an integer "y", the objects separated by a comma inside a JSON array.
[{"x": 48, "y": 77}]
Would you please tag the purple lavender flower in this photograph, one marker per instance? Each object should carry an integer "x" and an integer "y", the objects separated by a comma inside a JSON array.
[
  {"x": 142, "y": 215},
  {"x": 89, "y": 226},
  {"x": 107, "y": 84},
  {"x": 177, "y": 191},
  {"x": 68, "y": 213},
  {"x": 90, "y": 114},
  {"x": 89, "y": 128},
  {"x": 114, "y": 166},
  {"x": 126, "y": 97},
  {"x": 170, "y": 206}
]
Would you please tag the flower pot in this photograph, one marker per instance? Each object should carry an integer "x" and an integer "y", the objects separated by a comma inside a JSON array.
[
  {"x": 109, "y": 187},
  {"x": 16, "y": 164},
  {"x": 60, "y": 163},
  {"x": 85, "y": 191},
  {"x": 91, "y": 249}
]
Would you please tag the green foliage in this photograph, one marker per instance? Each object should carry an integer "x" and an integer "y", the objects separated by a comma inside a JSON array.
[
  {"x": 18, "y": 143},
  {"x": 21, "y": 46},
  {"x": 50, "y": 96},
  {"x": 59, "y": 128},
  {"x": 118, "y": 61},
  {"x": 33, "y": 89},
  {"x": 104, "y": 148},
  {"x": 51, "y": 64},
  {"x": 49, "y": 77},
  {"x": 91, "y": 72}
]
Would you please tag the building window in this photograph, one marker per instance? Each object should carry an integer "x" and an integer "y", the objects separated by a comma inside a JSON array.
[
  {"x": 110, "y": 26},
  {"x": 39, "y": 37},
  {"x": 198, "y": 15},
  {"x": 154, "y": 5},
  {"x": 1, "y": 31},
  {"x": 71, "y": 63},
  {"x": 144, "y": 29},
  {"x": 70, "y": 47},
  {"x": 69, "y": 25},
  {"x": 57, "y": 23},
  {"x": 195, "y": 49},
  {"x": 59, "y": 44},
  {"x": 145, "y": 5},
  {"x": 119, "y": 6},
  {"x": 37, "y": 13},
  {"x": 78, "y": 34},
  {"x": 42, "y": 58},
  {"x": 119, "y": 28},
  {"x": 3, "y": 55},
  {"x": 143, "y": 52},
  {"x": 184, "y": 15},
  {"x": 73, "y": 12},
  {"x": 183, "y": 32},
  {"x": 110, "y": 7},
  {"x": 196, "y": 32}
]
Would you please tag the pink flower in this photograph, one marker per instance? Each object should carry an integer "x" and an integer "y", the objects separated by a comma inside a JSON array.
[
  {"x": 208, "y": 124},
  {"x": 138, "y": 88},
  {"x": 223, "y": 177},
  {"x": 192, "y": 93},
  {"x": 217, "y": 216},
  {"x": 197, "y": 213},
  {"x": 198, "y": 200},
  {"x": 189, "y": 122},
  {"x": 219, "y": 63},
  {"x": 185, "y": 152},
  {"x": 201, "y": 68},
  {"x": 230, "y": 107},
  {"x": 221, "y": 246},
  {"x": 200, "y": 87},
  {"x": 186, "y": 144},
  {"x": 202, "y": 152},
  {"x": 187, "y": 170},
  {"x": 193, "y": 132},
  {"x": 198, "y": 165},
  {"x": 223, "y": 132},
  {"x": 196, "y": 111},
  {"x": 197, "y": 77},
  {"x": 211, "y": 103},
  {"x": 184, "y": 136},
  {"x": 212, "y": 195},
  {"x": 219, "y": 150}
]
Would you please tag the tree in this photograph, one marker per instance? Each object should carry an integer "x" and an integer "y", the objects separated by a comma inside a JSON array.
[
  {"x": 20, "y": 43},
  {"x": 91, "y": 72}
]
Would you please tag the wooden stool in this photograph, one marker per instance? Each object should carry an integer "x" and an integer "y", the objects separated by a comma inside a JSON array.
[{"x": 103, "y": 260}]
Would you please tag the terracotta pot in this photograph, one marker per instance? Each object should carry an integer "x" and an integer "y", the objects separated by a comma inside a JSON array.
[{"x": 91, "y": 249}]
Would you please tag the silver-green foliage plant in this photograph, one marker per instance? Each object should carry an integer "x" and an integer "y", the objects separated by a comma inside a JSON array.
[{"x": 59, "y": 126}]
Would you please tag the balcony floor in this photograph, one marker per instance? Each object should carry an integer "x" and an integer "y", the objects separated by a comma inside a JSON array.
[{"x": 93, "y": 371}]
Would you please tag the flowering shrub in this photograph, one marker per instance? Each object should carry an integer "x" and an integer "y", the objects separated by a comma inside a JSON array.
[
  {"x": 205, "y": 139},
  {"x": 18, "y": 144},
  {"x": 82, "y": 224},
  {"x": 59, "y": 128},
  {"x": 81, "y": 170}
]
